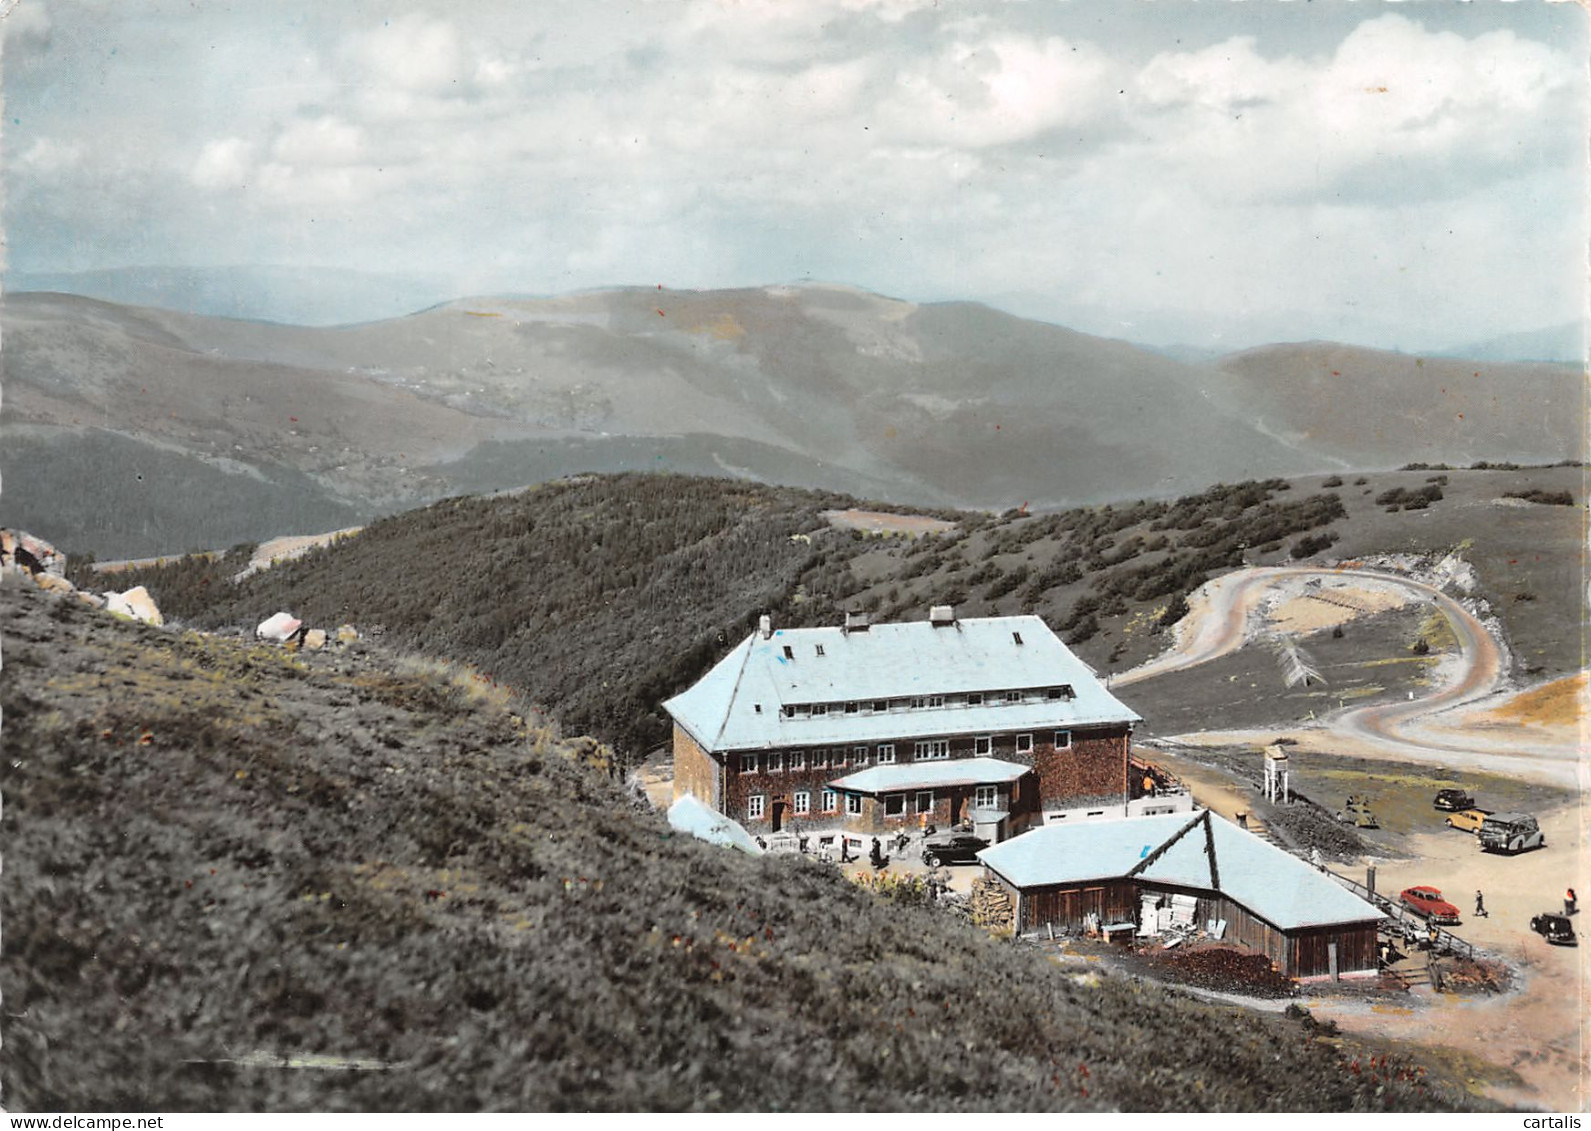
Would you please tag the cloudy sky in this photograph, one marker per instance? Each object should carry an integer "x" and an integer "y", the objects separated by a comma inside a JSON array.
[{"x": 1215, "y": 173}]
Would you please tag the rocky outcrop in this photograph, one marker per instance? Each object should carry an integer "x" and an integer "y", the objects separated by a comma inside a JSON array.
[
  {"x": 29, "y": 554},
  {"x": 135, "y": 603}
]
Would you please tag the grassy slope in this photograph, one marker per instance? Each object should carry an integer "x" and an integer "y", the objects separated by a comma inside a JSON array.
[{"x": 217, "y": 852}]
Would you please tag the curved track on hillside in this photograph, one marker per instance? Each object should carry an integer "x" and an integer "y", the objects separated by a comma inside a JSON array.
[{"x": 1220, "y": 624}]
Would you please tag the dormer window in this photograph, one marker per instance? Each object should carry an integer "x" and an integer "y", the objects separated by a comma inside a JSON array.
[
  {"x": 974, "y": 698},
  {"x": 820, "y": 649},
  {"x": 1062, "y": 692},
  {"x": 936, "y": 700},
  {"x": 789, "y": 652},
  {"x": 852, "y": 708},
  {"x": 1013, "y": 697},
  {"x": 881, "y": 704},
  {"x": 1016, "y": 637},
  {"x": 820, "y": 708},
  {"x": 788, "y": 710}
]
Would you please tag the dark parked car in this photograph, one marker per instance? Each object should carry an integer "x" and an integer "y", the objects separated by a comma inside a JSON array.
[
  {"x": 1454, "y": 799},
  {"x": 1555, "y": 928},
  {"x": 957, "y": 849},
  {"x": 1428, "y": 904}
]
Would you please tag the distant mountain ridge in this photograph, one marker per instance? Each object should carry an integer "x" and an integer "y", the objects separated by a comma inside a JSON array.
[
  {"x": 1564, "y": 343},
  {"x": 312, "y": 296},
  {"x": 824, "y": 386}
]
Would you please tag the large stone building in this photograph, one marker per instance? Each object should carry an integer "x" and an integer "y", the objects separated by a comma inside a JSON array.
[{"x": 873, "y": 728}]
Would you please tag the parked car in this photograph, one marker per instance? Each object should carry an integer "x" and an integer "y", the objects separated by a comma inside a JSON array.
[
  {"x": 1454, "y": 799},
  {"x": 1555, "y": 928},
  {"x": 1511, "y": 833},
  {"x": 955, "y": 849},
  {"x": 1428, "y": 904},
  {"x": 1470, "y": 820}
]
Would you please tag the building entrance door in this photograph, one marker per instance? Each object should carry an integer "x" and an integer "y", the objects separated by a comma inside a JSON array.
[
  {"x": 778, "y": 815},
  {"x": 956, "y": 802}
]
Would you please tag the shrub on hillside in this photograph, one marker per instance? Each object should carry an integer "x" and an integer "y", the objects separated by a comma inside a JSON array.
[
  {"x": 1410, "y": 499},
  {"x": 1312, "y": 544},
  {"x": 1546, "y": 498}
]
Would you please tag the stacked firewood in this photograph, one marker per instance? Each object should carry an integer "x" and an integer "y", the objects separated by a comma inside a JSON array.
[{"x": 991, "y": 904}]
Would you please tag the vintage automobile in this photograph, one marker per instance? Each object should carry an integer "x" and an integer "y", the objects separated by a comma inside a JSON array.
[
  {"x": 957, "y": 848},
  {"x": 1470, "y": 820},
  {"x": 1428, "y": 904},
  {"x": 1555, "y": 928},
  {"x": 1452, "y": 799},
  {"x": 1511, "y": 833}
]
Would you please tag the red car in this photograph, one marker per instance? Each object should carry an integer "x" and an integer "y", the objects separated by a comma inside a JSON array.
[{"x": 1427, "y": 903}]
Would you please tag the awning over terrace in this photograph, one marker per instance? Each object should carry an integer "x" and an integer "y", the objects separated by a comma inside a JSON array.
[{"x": 931, "y": 775}]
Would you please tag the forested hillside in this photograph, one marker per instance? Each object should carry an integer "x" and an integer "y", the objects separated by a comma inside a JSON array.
[{"x": 601, "y": 596}]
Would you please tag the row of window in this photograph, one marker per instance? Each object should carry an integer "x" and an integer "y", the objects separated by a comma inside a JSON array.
[
  {"x": 839, "y": 757},
  {"x": 924, "y": 702},
  {"x": 801, "y": 803},
  {"x": 984, "y": 797}
]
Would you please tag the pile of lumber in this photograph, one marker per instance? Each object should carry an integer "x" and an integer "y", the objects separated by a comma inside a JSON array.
[{"x": 991, "y": 904}]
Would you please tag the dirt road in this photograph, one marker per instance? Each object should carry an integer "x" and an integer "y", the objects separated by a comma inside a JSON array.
[{"x": 1223, "y": 618}]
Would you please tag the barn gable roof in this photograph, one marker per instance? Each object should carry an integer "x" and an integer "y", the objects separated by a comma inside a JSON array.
[{"x": 1172, "y": 849}]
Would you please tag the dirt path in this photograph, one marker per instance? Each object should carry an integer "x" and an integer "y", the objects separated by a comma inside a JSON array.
[{"x": 879, "y": 522}]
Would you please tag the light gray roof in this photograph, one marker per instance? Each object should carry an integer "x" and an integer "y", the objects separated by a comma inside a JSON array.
[
  {"x": 929, "y": 775},
  {"x": 1087, "y": 850},
  {"x": 689, "y": 815},
  {"x": 890, "y": 661},
  {"x": 1275, "y": 885}
]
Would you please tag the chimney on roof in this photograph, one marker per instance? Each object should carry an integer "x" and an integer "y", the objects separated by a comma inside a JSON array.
[
  {"x": 942, "y": 616},
  {"x": 855, "y": 622},
  {"x": 765, "y": 626}
]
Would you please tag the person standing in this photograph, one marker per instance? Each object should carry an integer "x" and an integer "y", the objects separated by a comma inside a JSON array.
[
  {"x": 1568, "y": 902},
  {"x": 1480, "y": 906}
]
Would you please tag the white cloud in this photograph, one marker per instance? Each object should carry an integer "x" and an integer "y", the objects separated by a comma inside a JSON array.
[
  {"x": 997, "y": 90},
  {"x": 1393, "y": 109},
  {"x": 224, "y": 164},
  {"x": 25, "y": 27},
  {"x": 320, "y": 141},
  {"x": 49, "y": 157},
  {"x": 415, "y": 53}
]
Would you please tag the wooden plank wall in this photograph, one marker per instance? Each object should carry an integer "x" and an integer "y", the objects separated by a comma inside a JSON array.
[
  {"x": 1114, "y": 901},
  {"x": 1299, "y": 954}
]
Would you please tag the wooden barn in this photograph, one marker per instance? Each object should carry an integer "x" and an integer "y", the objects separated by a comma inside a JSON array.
[{"x": 1151, "y": 872}]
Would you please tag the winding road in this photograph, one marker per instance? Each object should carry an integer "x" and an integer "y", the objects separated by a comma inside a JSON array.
[{"x": 1220, "y": 622}]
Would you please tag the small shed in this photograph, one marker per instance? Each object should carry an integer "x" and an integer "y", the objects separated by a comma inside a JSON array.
[{"x": 1309, "y": 925}]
